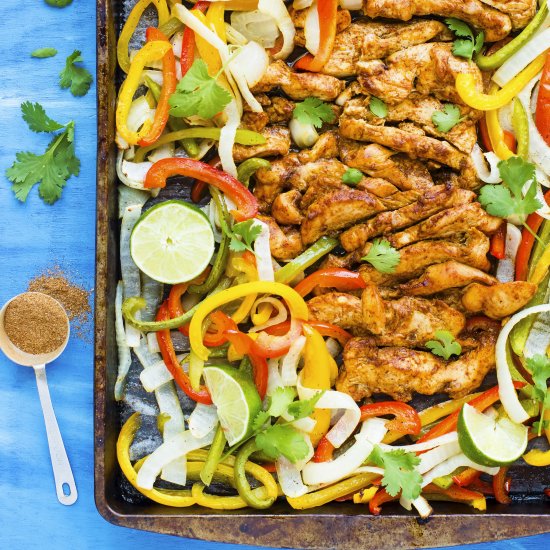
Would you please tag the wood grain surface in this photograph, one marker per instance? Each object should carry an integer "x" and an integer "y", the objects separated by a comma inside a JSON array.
[{"x": 35, "y": 237}]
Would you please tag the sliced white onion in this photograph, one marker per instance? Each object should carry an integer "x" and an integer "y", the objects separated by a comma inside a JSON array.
[
  {"x": 152, "y": 342},
  {"x": 152, "y": 292},
  {"x": 279, "y": 12},
  {"x": 289, "y": 478},
  {"x": 262, "y": 251},
  {"x": 438, "y": 455},
  {"x": 506, "y": 390},
  {"x": 203, "y": 420},
  {"x": 155, "y": 376},
  {"x": 165, "y": 151},
  {"x": 425, "y": 446},
  {"x": 515, "y": 64},
  {"x": 333, "y": 346},
  {"x": 251, "y": 61},
  {"x": 544, "y": 210},
  {"x": 274, "y": 379},
  {"x": 177, "y": 447},
  {"x": 176, "y": 42},
  {"x": 227, "y": 139},
  {"x": 305, "y": 425},
  {"x": 505, "y": 117},
  {"x": 289, "y": 363},
  {"x": 256, "y": 25},
  {"x": 235, "y": 37},
  {"x": 130, "y": 197},
  {"x": 139, "y": 113},
  {"x": 124, "y": 355},
  {"x": 155, "y": 76},
  {"x": 312, "y": 29},
  {"x": 132, "y": 174},
  {"x": 480, "y": 160},
  {"x": 304, "y": 135},
  {"x": 422, "y": 507},
  {"x": 352, "y": 5},
  {"x": 369, "y": 470},
  {"x": 505, "y": 269},
  {"x": 280, "y": 317}
]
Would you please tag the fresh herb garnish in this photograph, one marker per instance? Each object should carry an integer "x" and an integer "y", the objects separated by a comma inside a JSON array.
[
  {"x": 313, "y": 111},
  {"x": 58, "y": 3},
  {"x": 282, "y": 440},
  {"x": 447, "y": 118},
  {"x": 77, "y": 78},
  {"x": 352, "y": 176},
  {"x": 243, "y": 235},
  {"x": 382, "y": 256},
  {"x": 445, "y": 345},
  {"x": 198, "y": 93},
  {"x": 378, "y": 107},
  {"x": 468, "y": 44},
  {"x": 44, "y": 52},
  {"x": 399, "y": 471},
  {"x": 539, "y": 366},
  {"x": 304, "y": 407},
  {"x": 53, "y": 168}
]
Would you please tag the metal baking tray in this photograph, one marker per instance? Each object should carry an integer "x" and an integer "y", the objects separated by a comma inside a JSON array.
[{"x": 338, "y": 525}]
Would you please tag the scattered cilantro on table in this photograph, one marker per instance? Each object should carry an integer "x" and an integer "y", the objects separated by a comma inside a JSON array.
[
  {"x": 382, "y": 256},
  {"x": 42, "y": 53},
  {"x": 467, "y": 44},
  {"x": 378, "y": 107},
  {"x": 539, "y": 366},
  {"x": 446, "y": 119},
  {"x": 59, "y": 3},
  {"x": 77, "y": 78},
  {"x": 53, "y": 168},
  {"x": 445, "y": 345},
  {"x": 313, "y": 111}
]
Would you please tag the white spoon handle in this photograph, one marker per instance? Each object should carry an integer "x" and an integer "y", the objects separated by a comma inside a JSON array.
[{"x": 63, "y": 475}]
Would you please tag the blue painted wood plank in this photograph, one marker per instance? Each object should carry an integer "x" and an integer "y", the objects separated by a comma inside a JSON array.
[{"x": 35, "y": 236}]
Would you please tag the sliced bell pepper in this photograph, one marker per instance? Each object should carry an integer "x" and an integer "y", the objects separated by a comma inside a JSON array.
[
  {"x": 406, "y": 421},
  {"x": 169, "y": 82},
  {"x": 536, "y": 457},
  {"x": 520, "y": 123},
  {"x": 466, "y": 477},
  {"x": 501, "y": 486},
  {"x": 208, "y": 53},
  {"x": 381, "y": 497},
  {"x": 325, "y": 329},
  {"x": 482, "y": 487},
  {"x": 165, "y": 168},
  {"x": 187, "y": 57},
  {"x": 323, "y": 451},
  {"x": 327, "y": 13},
  {"x": 498, "y": 242},
  {"x": 455, "y": 494},
  {"x": 152, "y": 51},
  {"x": 508, "y": 138},
  {"x": 247, "y": 169},
  {"x": 542, "y": 114},
  {"x": 503, "y": 147},
  {"x": 331, "y": 277}
]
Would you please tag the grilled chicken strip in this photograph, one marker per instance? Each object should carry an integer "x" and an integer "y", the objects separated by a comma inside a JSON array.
[
  {"x": 519, "y": 11},
  {"x": 433, "y": 200},
  {"x": 277, "y": 144},
  {"x": 285, "y": 242},
  {"x": 500, "y": 300},
  {"x": 495, "y": 24},
  {"x": 399, "y": 371},
  {"x": 299, "y": 85},
  {"x": 285, "y": 208}
]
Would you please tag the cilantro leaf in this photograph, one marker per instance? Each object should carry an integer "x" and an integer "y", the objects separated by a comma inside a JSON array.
[
  {"x": 446, "y": 119},
  {"x": 399, "y": 471},
  {"x": 378, "y": 107},
  {"x": 516, "y": 172},
  {"x": 459, "y": 27},
  {"x": 198, "y": 93},
  {"x": 282, "y": 440},
  {"x": 479, "y": 41},
  {"x": 77, "y": 78},
  {"x": 248, "y": 231},
  {"x": 467, "y": 44},
  {"x": 383, "y": 256},
  {"x": 304, "y": 407},
  {"x": 58, "y": 3},
  {"x": 42, "y": 53},
  {"x": 313, "y": 111},
  {"x": 539, "y": 366},
  {"x": 280, "y": 400},
  {"x": 446, "y": 346},
  {"x": 260, "y": 420},
  {"x": 463, "y": 48},
  {"x": 37, "y": 119}
]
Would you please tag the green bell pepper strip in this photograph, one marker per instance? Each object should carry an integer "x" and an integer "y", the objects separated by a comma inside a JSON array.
[
  {"x": 521, "y": 129},
  {"x": 241, "y": 482},
  {"x": 219, "y": 352},
  {"x": 247, "y": 169},
  {"x": 214, "y": 456},
  {"x": 171, "y": 27},
  {"x": 494, "y": 61},
  {"x": 306, "y": 259}
]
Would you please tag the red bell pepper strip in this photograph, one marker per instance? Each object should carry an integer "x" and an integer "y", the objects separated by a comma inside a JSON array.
[
  {"x": 172, "y": 364},
  {"x": 381, "y": 497},
  {"x": 509, "y": 138},
  {"x": 325, "y": 329},
  {"x": 498, "y": 242},
  {"x": 547, "y": 492},
  {"x": 270, "y": 467},
  {"x": 482, "y": 487},
  {"x": 481, "y": 402},
  {"x": 327, "y": 12},
  {"x": 199, "y": 187},
  {"x": 534, "y": 221},
  {"x": 542, "y": 114},
  {"x": 453, "y": 493},
  {"x": 406, "y": 419},
  {"x": 324, "y": 451},
  {"x": 331, "y": 277},
  {"x": 501, "y": 486},
  {"x": 169, "y": 82},
  {"x": 187, "y": 57},
  {"x": 466, "y": 477},
  {"x": 163, "y": 169}
]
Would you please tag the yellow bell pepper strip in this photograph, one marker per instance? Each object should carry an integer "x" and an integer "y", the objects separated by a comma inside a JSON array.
[
  {"x": 491, "y": 62},
  {"x": 471, "y": 96},
  {"x": 306, "y": 259},
  {"x": 316, "y": 374},
  {"x": 180, "y": 500},
  {"x": 332, "y": 492},
  {"x": 152, "y": 51},
  {"x": 241, "y": 5},
  {"x": 364, "y": 496},
  {"x": 246, "y": 264},
  {"x": 216, "y": 502},
  {"x": 296, "y": 304},
  {"x": 208, "y": 53},
  {"x": 496, "y": 134},
  {"x": 456, "y": 494},
  {"x": 521, "y": 129},
  {"x": 247, "y": 168},
  {"x": 243, "y": 137},
  {"x": 131, "y": 25},
  {"x": 215, "y": 18},
  {"x": 541, "y": 267}
]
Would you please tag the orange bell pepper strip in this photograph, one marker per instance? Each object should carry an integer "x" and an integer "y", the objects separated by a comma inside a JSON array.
[
  {"x": 331, "y": 277},
  {"x": 501, "y": 486},
  {"x": 498, "y": 242},
  {"x": 542, "y": 114},
  {"x": 325, "y": 329}
]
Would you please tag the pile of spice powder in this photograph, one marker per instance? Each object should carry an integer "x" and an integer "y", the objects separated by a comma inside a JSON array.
[
  {"x": 35, "y": 323},
  {"x": 76, "y": 300}
]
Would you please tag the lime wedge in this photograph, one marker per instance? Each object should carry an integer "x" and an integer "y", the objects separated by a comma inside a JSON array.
[
  {"x": 172, "y": 242},
  {"x": 489, "y": 441},
  {"x": 236, "y": 399}
]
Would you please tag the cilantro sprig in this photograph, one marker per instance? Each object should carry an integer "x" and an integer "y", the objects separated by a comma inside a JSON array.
[
  {"x": 243, "y": 235},
  {"x": 400, "y": 474},
  {"x": 382, "y": 256},
  {"x": 446, "y": 119},
  {"x": 313, "y": 111},
  {"x": 445, "y": 345},
  {"x": 467, "y": 44},
  {"x": 54, "y": 167},
  {"x": 42, "y": 53},
  {"x": 75, "y": 77},
  {"x": 539, "y": 366}
]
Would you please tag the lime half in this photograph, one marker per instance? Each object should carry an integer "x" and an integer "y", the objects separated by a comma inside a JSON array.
[
  {"x": 236, "y": 399},
  {"x": 489, "y": 441},
  {"x": 172, "y": 242}
]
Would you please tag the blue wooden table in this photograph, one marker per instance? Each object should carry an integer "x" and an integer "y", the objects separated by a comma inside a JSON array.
[{"x": 35, "y": 236}]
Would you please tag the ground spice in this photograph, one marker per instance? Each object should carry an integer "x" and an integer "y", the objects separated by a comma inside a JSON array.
[
  {"x": 35, "y": 323},
  {"x": 76, "y": 300}
]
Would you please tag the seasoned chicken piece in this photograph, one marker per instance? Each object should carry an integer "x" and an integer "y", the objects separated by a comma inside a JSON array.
[
  {"x": 254, "y": 121},
  {"x": 277, "y": 144},
  {"x": 494, "y": 24},
  {"x": 381, "y": 188},
  {"x": 271, "y": 181},
  {"x": 519, "y": 11},
  {"x": 445, "y": 223},
  {"x": 338, "y": 308},
  {"x": 470, "y": 248},
  {"x": 285, "y": 208},
  {"x": 444, "y": 276},
  {"x": 500, "y": 300},
  {"x": 433, "y": 200},
  {"x": 379, "y": 162},
  {"x": 279, "y": 110},
  {"x": 285, "y": 242},
  {"x": 322, "y": 173},
  {"x": 299, "y": 85},
  {"x": 337, "y": 209},
  {"x": 421, "y": 70},
  {"x": 399, "y": 371},
  {"x": 326, "y": 147}
]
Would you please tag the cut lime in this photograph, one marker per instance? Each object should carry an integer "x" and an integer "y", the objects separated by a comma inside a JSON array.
[
  {"x": 172, "y": 242},
  {"x": 489, "y": 441},
  {"x": 236, "y": 399}
]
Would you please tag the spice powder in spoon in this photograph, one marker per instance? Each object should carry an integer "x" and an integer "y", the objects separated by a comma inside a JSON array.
[{"x": 35, "y": 323}]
